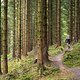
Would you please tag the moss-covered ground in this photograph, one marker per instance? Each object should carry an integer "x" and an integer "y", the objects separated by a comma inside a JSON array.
[{"x": 72, "y": 58}]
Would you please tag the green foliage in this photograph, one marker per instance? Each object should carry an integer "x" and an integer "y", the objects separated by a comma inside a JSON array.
[
  {"x": 25, "y": 69},
  {"x": 72, "y": 59},
  {"x": 10, "y": 77},
  {"x": 51, "y": 70},
  {"x": 9, "y": 56},
  {"x": 54, "y": 51}
]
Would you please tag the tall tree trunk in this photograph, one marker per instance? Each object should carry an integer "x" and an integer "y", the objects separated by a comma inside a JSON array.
[
  {"x": 14, "y": 30},
  {"x": 40, "y": 35},
  {"x": 53, "y": 12},
  {"x": 78, "y": 7},
  {"x": 32, "y": 10},
  {"x": 50, "y": 29},
  {"x": 19, "y": 30},
  {"x": 45, "y": 28},
  {"x": 34, "y": 24},
  {"x": 24, "y": 28},
  {"x": 58, "y": 24},
  {"x": 72, "y": 19},
  {"x": 0, "y": 39},
  {"x": 76, "y": 22},
  {"x": 28, "y": 26},
  {"x": 71, "y": 26},
  {"x": 18, "y": 34},
  {"x": 5, "y": 45}
]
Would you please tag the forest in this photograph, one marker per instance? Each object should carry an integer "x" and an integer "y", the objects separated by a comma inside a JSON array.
[{"x": 39, "y": 39}]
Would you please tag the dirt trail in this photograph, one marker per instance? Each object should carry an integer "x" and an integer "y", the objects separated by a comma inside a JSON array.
[{"x": 58, "y": 59}]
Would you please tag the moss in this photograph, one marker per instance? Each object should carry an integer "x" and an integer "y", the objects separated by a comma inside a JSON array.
[
  {"x": 72, "y": 58},
  {"x": 54, "y": 51}
]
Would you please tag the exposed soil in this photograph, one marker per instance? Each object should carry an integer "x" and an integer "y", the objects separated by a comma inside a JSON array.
[{"x": 58, "y": 61}]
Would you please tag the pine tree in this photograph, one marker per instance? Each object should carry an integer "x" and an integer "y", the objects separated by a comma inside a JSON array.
[
  {"x": 50, "y": 28},
  {"x": 14, "y": 16},
  {"x": 78, "y": 17},
  {"x": 0, "y": 39},
  {"x": 58, "y": 22},
  {"x": 72, "y": 19},
  {"x": 45, "y": 28},
  {"x": 40, "y": 35},
  {"x": 76, "y": 23},
  {"x": 18, "y": 37},
  {"x": 5, "y": 45},
  {"x": 24, "y": 27},
  {"x": 29, "y": 25}
]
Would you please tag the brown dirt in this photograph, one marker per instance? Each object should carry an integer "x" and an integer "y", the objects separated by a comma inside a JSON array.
[{"x": 58, "y": 61}]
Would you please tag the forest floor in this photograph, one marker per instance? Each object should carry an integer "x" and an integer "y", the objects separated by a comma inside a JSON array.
[{"x": 66, "y": 66}]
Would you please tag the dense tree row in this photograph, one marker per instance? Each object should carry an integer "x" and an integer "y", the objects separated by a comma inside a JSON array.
[{"x": 27, "y": 25}]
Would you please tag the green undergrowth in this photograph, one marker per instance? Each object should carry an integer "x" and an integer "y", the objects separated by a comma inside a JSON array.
[
  {"x": 72, "y": 58},
  {"x": 25, "y": 69},
  {"x": 9, "y": 57},
  {"x": 54, "y": 51}
]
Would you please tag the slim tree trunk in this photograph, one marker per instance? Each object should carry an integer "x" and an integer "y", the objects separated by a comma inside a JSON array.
[
  {"x": 19, "y": 29},
  {"x": 78, "y": 7},
  {"x": 50, "y": 29},
  {"x": 28, "y": 26},
  {"x": 14, "y": 30},
  {"x": 24, "y": 28},
  {"x": 76, "y": 22},
  {"x": 0, "y": 39},
  {"x": 58, "y": 24},
  {"x": 40, "y": 35},
  {"x": 77, "y": 18},
  {"x": 5, "y": 42},
  {"x": 36, "y": 24},
  {"x": 45, "y": 28},
  {"x": 16, "y": 23},
  {"x": 53, "y": 13},
  {"x": 18, "y": 54},
  {"x": 72, "y": 19}
]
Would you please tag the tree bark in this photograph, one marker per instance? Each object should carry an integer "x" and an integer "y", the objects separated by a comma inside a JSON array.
[
  {"x": 40, "y": 35},
  {"x": 24, "y": 28},
  {"x": 5, "y": 42},
  {"x": 0, "y": 39},
  {"x": 58, "y": 22},
  {"x": 29, "y": 48},
  {"x": 45, "y": 28},
  {"x": 50, "y": 29},
  {"x": 14, "y": 30}
]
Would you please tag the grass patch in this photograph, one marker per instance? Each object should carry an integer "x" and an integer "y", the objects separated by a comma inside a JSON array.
[
  {"x": 25, "y": 69},
  {"x": 72, "y": 59},
  {"x": 54, "y": 51}
]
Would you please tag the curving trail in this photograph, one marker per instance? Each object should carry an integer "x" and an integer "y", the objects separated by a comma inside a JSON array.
[{"x": 58, "y": 61}]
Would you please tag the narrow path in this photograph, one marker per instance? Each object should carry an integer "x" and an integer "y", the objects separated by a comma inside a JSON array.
[
  {"x": 76, "y": 72},
  {"x": 58, "y": 59}
]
